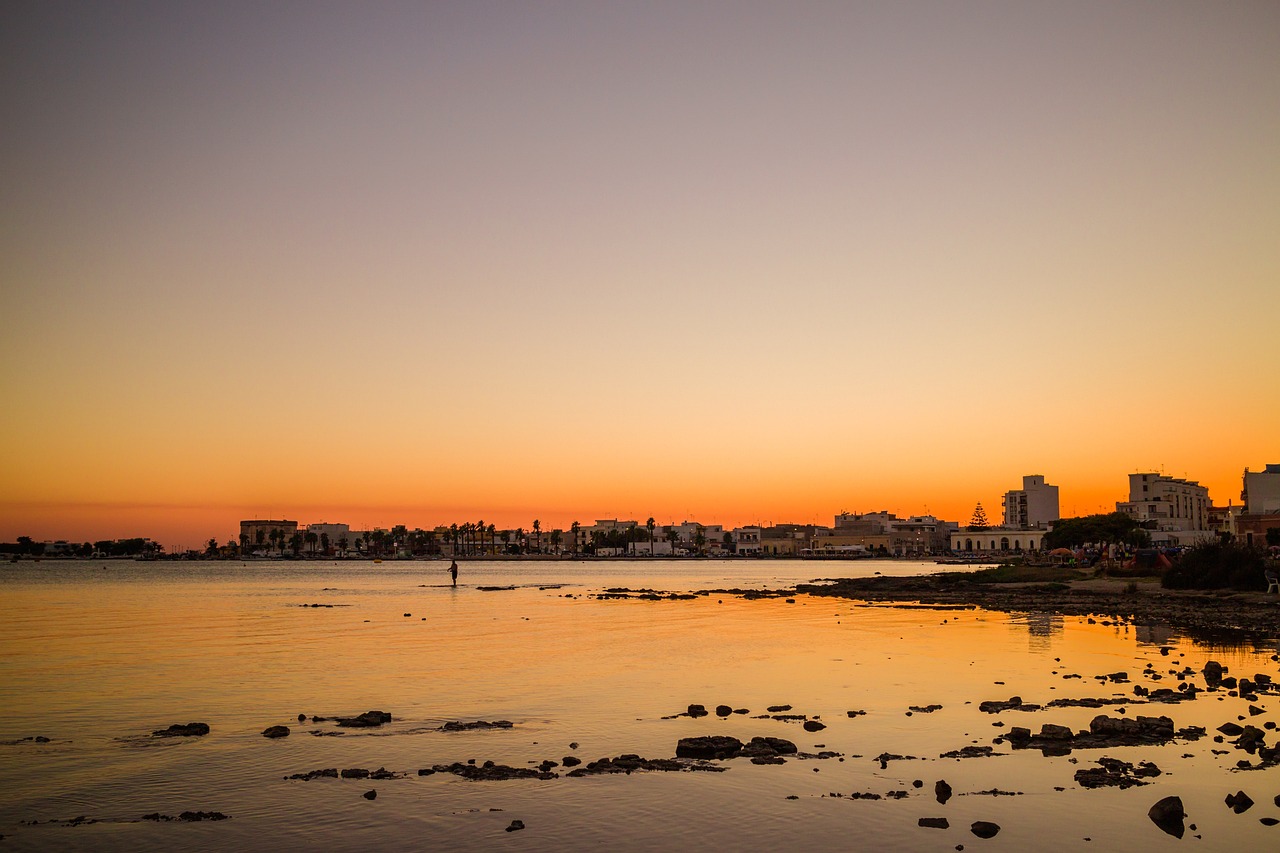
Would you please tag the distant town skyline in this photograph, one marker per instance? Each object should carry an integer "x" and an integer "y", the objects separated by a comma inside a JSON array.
[
  {"x": 227, "y": 522},
  {"x": 738, "y": 261}
]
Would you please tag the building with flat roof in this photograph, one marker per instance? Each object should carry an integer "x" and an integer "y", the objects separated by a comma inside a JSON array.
[
  {"x": 1261, "y": 494},
  {"x": 1034, "y": 506},
  {"x": 1174, "y": 510}
]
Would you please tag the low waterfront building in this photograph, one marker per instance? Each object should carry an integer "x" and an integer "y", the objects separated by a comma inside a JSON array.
[
  {"x": 997, "y": 540},
  {"x": 1261, "y": 493}
]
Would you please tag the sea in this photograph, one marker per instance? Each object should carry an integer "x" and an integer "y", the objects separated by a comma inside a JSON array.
[{"x": 96, "y": 656}]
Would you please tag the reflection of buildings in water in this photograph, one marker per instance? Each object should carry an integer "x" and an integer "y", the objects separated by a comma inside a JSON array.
[
  {"x": 1155, "y": 634},
  {"x": 1040, "y": 625}
]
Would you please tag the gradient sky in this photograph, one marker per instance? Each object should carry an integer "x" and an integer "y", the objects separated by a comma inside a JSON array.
[{"x": 420, "y": 263}]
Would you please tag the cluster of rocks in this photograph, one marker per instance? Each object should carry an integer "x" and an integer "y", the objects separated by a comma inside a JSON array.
[
  {"x": 630, "y": 763},
  {"x": 32, "y": 739},
  {"x": 1103, "y": 732},
  {"x": 1114, "y": 773},
  {"x": 761, "y": 750},
  {"x": 490, "y": 771},
  {"x": 189, "y": 817}
]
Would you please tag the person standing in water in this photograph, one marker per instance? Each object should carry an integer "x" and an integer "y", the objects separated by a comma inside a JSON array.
[{"x": 453, "y": 572}]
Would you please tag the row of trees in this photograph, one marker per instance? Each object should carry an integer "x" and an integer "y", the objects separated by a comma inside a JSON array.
[{"x": 136, "y": 547}]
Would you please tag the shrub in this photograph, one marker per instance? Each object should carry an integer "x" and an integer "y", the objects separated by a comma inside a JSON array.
[{"x": 1217, "y": 565}]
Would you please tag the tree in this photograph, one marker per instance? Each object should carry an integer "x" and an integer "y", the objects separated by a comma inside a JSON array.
[
  {"x": 295, "y": 543},
  {"x": 519, "y": 540},
  {"x": 979, "y": 520},
  {"x": 399, "y": 536},
  {"x": 537, "y": 532},
  {"x": 312, "y": 538},
  {"x": 324, "y": 542},
  {"x": 673, "y": 536},
  {"x": 212, "y": 550},
  {"x": 244, "y": 543},
  {"x": 574, "y": 528},
  {"x": 259, "y": 537},
  {"x": 277, "y": 539},
  {"x": 649, "y": 525},
  {"x": 699, "y": 538},
  {"x": 342, "y": 545},
  {"x": 728, "y": 542},
  {"x": 555, "y": 540},
  {"x": 1100, "y": 529},
  {"x": 493, "y": 537},
  {"x": 1217, "y": 564}
]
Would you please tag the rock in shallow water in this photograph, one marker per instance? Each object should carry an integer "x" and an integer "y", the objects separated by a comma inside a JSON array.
[{"x": 1168, "y": 815}]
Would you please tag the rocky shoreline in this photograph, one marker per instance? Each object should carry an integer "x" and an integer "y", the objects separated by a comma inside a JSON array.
[{"x": 1237, "y": 615}]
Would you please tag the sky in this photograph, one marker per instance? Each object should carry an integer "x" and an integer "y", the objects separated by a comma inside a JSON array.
[{"x": 736, "y": 262}]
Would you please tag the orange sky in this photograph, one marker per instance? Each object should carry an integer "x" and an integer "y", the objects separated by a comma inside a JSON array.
[{"x": 730, "y": 262}]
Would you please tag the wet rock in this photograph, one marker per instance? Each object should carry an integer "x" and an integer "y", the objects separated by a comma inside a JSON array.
[
  {"x": 370, "y": 795},
  {"x": 384, "y": 773},
  {"x": 934, "y": 823},
  {"x": 1013, "y": 703},
  {"x": 941, "y": 792},
  {"x": 711, "y": 746},
  {"x": 355, "y": 773},
  {"x": 571, "y": 761},
  {"x": 198, "y": 816},
  {"x": 369, "y": 719},
  {"x": 814, "y": 726},
  {"x": 302, "y": 718},
  {"x": 1168, "y": 815},
  {"x": 971, "y": 752},
  {"x": 984, "y": 828},
  {"x": 275, "y": 731},
  {"x": 515, "y": 826},
  {"x": 475, "y": 725},
  {"x": 768, "y": 747},
  {"x": 427, "y": 771},
  {"x": 885, "y": 757},
  {"x": 778, "y": 709},
  {"x": 1268, "y": 821},
  {"x": 491, "y": 772},
  {"x": 183, "y": 730},
  {"x": 852, "y": 714},
  {"x": 696, "y": 711},
  {"x": 924, "y": 709},
  {"x": 1230, "y": 729},
  {"x": 1239, "y": 802},
  {"x": 723, "y": 710}
]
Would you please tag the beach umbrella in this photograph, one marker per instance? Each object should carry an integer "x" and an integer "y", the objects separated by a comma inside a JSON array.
[{"x": 1062, "y": 552}]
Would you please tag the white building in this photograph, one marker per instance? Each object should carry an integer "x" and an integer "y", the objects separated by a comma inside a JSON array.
[
  {"x": 1167, "y": 505},
  {"x": 1262, "y": 491},
  {"x": 995, "y": 539},
  {"x": 1035, "y": 505}
]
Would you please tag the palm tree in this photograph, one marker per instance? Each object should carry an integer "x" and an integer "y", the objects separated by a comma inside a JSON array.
[
  {"x": 574, "y": 528},
  {"x": 260, "y": 536},
  {"x": 453, "y": 538},
  {"x": 650, "y": 523},
  {"x": 480, "y": 526},
  {"x": 506, "y": 541},
  {"x": 342, "y": 545},
  {"x": 244, "y": 543},
  {"x": 700, "y": 538},
  {"x": 277, "y": 539},
  {"x": 295, "y": 543},
  {"x": 673, "y": 536},
  {"x": 312, "y": 538},
  {"x": 324, "y": 542},
  {"x": 519, "y": 540},
  {"x": 537, "y": 531},
  {"x": 493, "y": 537},
  {"x": 213, "y": 547},
  {"x": 555, "y": 540}
]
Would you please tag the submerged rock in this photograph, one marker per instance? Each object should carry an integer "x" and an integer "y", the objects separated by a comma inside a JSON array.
[
  {"x": 275, "y": 731},
  {"x": 475, "y": 725},
  {"x": 934, "y": 823},
  {"x": 183, "y": 730},
  {"x": 369, "y": 719},
  {"x": 984, "y": 829},
  {"x": 941, "y": 792},
  {"x": 491, "y": 772}
]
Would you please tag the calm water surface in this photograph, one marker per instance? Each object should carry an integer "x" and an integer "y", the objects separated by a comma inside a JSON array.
[{"x": 95, "y": 656}]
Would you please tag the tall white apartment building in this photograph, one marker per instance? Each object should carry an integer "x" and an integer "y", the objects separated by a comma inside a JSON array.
[
  {"x": 1033, "y": 506},
  {"x": 1173, "y": 504}
]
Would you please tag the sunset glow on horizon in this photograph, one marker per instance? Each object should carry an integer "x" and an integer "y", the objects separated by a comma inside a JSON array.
[{"x": 727, "y": 262}]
